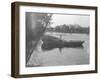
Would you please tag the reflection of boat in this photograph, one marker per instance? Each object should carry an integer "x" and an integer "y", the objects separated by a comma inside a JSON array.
[{"x": 50, "y": 42}]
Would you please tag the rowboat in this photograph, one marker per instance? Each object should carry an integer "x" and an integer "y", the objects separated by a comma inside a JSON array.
[{"x": 51, "y": 42}]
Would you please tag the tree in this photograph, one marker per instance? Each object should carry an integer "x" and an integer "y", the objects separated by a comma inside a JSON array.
[{"x": 36, "y": 24}]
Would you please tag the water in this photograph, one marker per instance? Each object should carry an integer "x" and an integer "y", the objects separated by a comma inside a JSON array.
[{"x": 67, "y": 56}]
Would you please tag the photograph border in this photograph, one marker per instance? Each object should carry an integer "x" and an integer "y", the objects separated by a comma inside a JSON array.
[{"x": 15, "y": 33}]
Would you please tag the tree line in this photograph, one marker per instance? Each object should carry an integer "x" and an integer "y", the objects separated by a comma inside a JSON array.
[{"x": 69, "y": 29}]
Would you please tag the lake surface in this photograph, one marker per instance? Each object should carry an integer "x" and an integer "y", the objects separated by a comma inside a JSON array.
[{"x": 67, "y": 56}]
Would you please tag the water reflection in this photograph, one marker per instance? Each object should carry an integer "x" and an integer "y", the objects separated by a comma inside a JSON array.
[{"x": 64, "y": 55}]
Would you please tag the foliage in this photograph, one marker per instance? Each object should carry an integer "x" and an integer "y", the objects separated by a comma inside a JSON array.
[
  {"x": 36, "y": 24},
  {"x": 69, "y": 29}
]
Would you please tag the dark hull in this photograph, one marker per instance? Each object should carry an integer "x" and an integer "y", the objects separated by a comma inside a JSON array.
[{"x": 50, "y": 42}]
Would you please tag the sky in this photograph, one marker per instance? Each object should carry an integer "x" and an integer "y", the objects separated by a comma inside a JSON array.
[{"x": 82, "y": 20}]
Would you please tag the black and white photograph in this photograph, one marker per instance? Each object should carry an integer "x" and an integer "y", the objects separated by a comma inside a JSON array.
[
  {"x": 57, "y": 39},
  {"x": 52, "y": 39}
]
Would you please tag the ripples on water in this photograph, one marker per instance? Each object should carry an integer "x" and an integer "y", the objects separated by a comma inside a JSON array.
[{"x": 67, "y": 56}]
